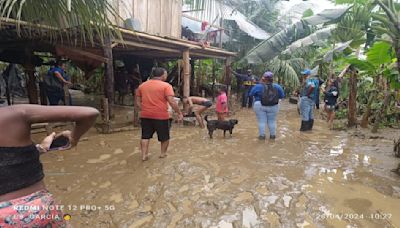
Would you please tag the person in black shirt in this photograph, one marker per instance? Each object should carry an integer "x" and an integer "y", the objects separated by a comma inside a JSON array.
[
  {"x": 331, "y": 95},
  {"x": 248, "y": 81}
]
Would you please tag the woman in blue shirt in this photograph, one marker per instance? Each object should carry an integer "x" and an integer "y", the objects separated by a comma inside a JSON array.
[{"x": 266, "y": 114}]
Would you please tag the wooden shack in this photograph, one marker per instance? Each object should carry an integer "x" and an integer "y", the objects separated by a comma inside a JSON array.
[{"x": 160, "y": 39}]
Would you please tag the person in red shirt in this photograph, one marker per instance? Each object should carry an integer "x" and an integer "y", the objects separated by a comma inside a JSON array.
[{"x": 152, "y": 99}]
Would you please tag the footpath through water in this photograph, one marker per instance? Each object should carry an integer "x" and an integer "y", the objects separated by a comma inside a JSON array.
[{"x": 319, "y": 179}]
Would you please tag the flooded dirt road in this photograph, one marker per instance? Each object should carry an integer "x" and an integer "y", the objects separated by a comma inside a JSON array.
[{"x": 319, "y": 179}]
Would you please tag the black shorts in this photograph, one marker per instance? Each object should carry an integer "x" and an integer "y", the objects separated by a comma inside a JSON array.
[
  {"x": 207, "y": 104},
  {"x": 149, "y": 126}
]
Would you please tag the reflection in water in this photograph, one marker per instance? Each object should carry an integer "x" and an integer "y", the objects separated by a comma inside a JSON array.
[
  {"x": 337, "y": 150},
  {"x": 227, "y": 182}
]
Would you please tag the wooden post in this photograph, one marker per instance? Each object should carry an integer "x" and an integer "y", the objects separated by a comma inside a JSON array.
[
  {"x": 213, "y": 80},
  {"x": 179, "y": 78},
  {"x": 199, "y": 77},
  {"x": 109, "y": 76},
  {"x": 30, "y": 72},
  {"x": 66, "y": 95},
  {"x": 42, "y": 94},
  {"x": 186, "y": 74},
  {"x": 228, "y": 75}
]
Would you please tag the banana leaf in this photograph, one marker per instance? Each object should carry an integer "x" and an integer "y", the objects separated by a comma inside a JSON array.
[{"x": 273, "y": 46}]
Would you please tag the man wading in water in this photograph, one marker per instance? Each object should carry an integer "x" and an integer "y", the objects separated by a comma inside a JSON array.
[
  {"x": 152, "y": 99},
  {"x": 307, "y": 101}
]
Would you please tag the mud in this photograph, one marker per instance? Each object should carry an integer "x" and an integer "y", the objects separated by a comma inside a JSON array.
[{"x": 319, "y": 179}]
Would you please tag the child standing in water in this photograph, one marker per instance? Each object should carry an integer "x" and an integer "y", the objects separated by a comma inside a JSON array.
[{"x": 222, "y": 104}]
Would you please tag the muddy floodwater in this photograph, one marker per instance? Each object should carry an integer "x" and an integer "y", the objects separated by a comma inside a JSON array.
[{"x": 319, "y": 179}]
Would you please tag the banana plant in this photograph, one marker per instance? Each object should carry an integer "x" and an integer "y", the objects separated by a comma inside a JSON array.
[{"x": 388, "y": 22}]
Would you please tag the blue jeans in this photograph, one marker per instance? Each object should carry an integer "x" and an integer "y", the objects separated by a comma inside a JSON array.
[
  {"x": 266, "y": 115},
  {"x": 306, "y": 108}
]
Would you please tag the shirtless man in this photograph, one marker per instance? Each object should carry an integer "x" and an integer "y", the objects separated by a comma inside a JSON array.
[{"x": 200, "y": 101}]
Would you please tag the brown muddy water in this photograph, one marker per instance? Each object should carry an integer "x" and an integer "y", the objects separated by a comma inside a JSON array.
[{"x": 319, "y": 179}]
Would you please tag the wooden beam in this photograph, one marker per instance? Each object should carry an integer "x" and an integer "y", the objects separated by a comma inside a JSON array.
[
  {"x": 148, "y": 46},
  {"x": 139, "y": 35},
  {"x": 186, "y": 73},
  {"x": 64, "y": 50}
]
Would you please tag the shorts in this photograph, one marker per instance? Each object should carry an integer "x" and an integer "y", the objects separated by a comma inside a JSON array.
[
  {"x": 149, "y": 126},
  {"x": 207, "y": 104},
  {"x": 330, "y": 108},
  {"x": 35, "y": 210}
]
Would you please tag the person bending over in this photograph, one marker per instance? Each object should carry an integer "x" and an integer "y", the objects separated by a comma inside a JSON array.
[{"x": 200, "y": 101}]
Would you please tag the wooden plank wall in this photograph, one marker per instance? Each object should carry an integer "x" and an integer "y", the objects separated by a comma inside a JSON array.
[{"x": 159, "y": 17}]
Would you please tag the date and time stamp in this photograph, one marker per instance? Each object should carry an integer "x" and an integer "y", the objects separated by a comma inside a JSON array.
[{"x": 354, "y": 216}]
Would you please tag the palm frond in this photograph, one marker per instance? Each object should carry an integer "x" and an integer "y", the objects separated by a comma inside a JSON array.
[{"x": 88, "y": 19}]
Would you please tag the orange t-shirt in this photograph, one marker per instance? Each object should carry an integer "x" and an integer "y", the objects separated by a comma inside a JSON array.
[{"x": 154, "y": 95}]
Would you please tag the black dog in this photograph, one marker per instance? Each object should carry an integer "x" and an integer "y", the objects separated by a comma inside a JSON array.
[{"x": 213, "y": 125}]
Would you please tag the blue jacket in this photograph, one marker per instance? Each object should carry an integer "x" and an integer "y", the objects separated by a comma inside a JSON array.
[
  {"x": 258, "y": 90},
  {"x": 311, "y": 82}
]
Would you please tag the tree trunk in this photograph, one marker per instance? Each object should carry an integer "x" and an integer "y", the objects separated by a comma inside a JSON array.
[
  {"x": 367, "y": 113},
  {"x": 381, "y": 111},
  {"x": 352, "y": 105}
]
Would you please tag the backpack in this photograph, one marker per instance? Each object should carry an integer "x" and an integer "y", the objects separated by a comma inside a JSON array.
[{"x": 269, "y": 96}]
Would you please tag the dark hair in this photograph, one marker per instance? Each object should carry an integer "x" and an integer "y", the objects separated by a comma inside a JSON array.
[{"x": 158, "y": 72}]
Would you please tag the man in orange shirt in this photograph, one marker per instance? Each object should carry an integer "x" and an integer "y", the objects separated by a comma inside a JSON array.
[{"x": 152, "y": 99}]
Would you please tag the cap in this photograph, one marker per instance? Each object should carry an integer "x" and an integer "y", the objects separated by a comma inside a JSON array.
[
  {"x": 306, "y": 72},
  {"x": 268, "y": 74}
]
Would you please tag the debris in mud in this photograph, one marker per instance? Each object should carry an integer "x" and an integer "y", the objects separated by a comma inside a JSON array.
[
  {"x": 263, "y": 190},
  {"x": 118, "y": 151},
  {"x": 286, "y": 200},
  {"x": 116, "y": 197},
  {"x": 141, "y": 221},
  {"x": 250, "y": 218},
  {"x": 244, "y": 197}
]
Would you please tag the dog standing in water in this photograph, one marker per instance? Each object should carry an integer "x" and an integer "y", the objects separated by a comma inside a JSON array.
[{"x": 225, "y": 125}]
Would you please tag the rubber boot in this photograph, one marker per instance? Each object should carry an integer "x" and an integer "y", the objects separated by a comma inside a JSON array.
[
  {"x": 304, "y": 125},
  {"x": 310, "y": 124}
]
